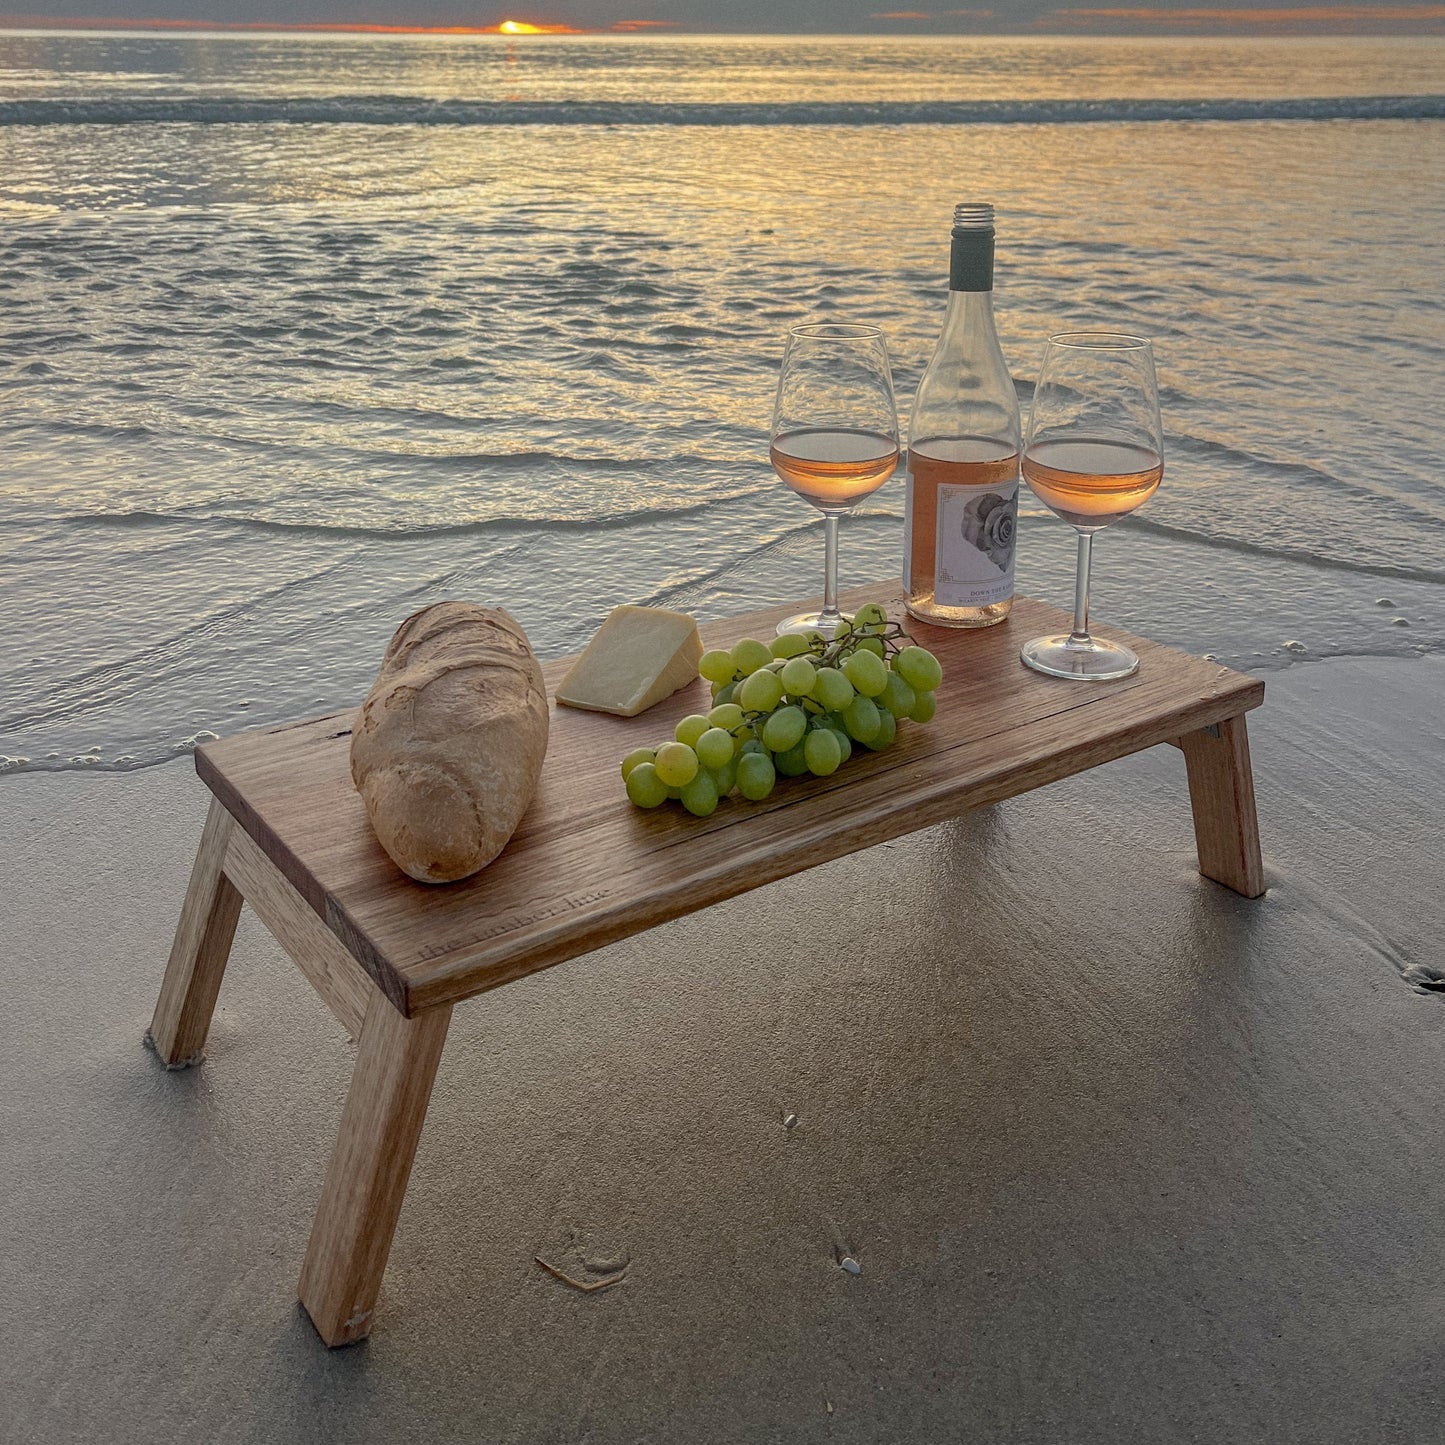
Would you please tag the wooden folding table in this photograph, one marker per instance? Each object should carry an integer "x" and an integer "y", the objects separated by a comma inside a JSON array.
[{"x": 287, "y": 834}]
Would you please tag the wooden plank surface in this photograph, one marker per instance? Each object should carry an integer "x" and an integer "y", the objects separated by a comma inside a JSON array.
[
  {"x": 328, "y": 966},
  {"x": 199, "y": 951},
  {"x": 1221, "y": 793},
  {"x": 586, "y": 868},
  {"x": 371, "y": 1162}
]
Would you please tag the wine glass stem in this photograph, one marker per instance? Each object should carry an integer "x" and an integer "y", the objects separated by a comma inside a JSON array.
[
  {"x": 830, "y": 613},
  {"x": 1081, "y": 589}
]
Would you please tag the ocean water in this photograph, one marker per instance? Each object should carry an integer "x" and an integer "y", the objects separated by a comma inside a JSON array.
[{"x": 299, "y": 334}]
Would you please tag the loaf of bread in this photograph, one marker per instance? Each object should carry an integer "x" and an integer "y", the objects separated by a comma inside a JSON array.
[{"x": 449, "y": 743}]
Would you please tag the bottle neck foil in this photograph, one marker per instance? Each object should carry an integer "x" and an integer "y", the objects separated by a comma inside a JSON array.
[{"x": 971, "y": 262}]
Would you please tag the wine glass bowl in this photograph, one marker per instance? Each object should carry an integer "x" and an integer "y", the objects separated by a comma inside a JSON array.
[
  {"x": 1093, "y": 452},
  {"x": 834, "y": 437},
  {"x": 1092, "y": 483}
]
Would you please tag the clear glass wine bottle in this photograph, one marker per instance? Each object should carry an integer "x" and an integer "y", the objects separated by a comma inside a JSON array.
[{"x": 963, "y": 451}]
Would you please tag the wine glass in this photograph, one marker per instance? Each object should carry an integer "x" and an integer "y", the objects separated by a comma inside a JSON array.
[
  {"x": 834, "y": 435},
  {"x": 1094, "y": 451}
]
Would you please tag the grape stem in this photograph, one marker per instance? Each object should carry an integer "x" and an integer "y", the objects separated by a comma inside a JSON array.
[{"x": 890, "y": 634}]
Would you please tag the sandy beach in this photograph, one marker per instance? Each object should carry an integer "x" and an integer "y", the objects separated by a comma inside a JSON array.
[{"x": 1122, "y": 1156}]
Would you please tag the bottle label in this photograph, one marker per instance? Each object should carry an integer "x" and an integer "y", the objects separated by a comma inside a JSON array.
[{"x": 973, "y": 563}]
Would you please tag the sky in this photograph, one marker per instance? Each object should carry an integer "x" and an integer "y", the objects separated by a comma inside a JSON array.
[{"x": 1268, "y": 17}]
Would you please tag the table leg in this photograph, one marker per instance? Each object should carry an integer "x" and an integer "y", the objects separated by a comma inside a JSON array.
[
  {"x": 200, "y": 950},
  {"x": 1221, "y": 792},
  {"x": 370, "y": 1164}
]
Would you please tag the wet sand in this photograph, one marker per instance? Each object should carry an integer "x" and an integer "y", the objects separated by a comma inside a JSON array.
[{"x": 1122, "y": 1156}]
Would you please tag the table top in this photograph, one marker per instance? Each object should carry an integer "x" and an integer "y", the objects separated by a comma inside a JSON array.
[{"x": 586, "y": 868}]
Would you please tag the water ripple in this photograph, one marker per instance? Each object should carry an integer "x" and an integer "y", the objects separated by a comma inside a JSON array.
[{"x": 411, "y": 110}]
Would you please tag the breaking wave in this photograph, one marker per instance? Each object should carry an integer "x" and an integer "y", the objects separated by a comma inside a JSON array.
[
  {"x": 408, "y": 110},
  {"x": 481, "y": 526}
]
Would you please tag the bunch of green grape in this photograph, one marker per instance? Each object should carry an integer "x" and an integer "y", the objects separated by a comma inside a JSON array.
[{"x": 799, "y": 705}]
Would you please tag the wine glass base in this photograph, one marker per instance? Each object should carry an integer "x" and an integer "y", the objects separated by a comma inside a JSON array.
[
  {"x": 1091, "y": 659},
  {"x": 811, "y": 622}
]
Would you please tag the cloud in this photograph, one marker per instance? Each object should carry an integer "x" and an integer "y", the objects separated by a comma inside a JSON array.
[
  {"x": 1311, "y": 17},
  {"x": 662, "y": 17},
  {"x": 343, "y": 27}
]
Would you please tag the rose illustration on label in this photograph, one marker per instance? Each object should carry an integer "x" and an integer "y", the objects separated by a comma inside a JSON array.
[{"x": 988, "y": 525}]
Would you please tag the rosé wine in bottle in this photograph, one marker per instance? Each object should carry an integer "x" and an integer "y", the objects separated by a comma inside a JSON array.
[{"x": 963, "y": 452}]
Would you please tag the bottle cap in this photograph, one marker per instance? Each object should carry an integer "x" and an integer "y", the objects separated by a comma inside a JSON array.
[{"x": 973, "y": 216}]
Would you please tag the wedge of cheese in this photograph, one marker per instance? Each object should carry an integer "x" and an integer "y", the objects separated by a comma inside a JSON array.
[{"x": 639, "y": 656}]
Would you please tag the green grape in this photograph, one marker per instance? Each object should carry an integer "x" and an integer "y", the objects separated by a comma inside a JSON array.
[
  {"x": 821, "y": 752},
  {"x": 750, "y": 654},
  {"x": 924, "y": 708},
  {"x": 860, "y": 718},
  {"x": 674, "y": 793},
  {"x": 843, "y": 629},
  {"x": 691, "y": 728},
  {"x": 845, "y": 743},
  {"x": 815, "y": 640},
  {"x": 724, "y": 694},
  {"x": 726, "y": 777},
  {"x": 789, "y": 644},
  {"x": 793, "y": 763},
  {"x": 699, "y": 796},
  {"x": 756, "y": 775},
  {"x": 887, "y": 731},
  {"x": 872, "y": 644},
  {"x": 832, "y": 689},
  {"x": 645, "y": 788},
  {"x": 799, "y": 676},
  {"x": 717, "y": 665},
  {"x": 898, "y": 697},
  {"x": 636, "y": 756},
  {"x": 870, "y": 614},
  {"x": 919, "y": 668},
  {"x": 676, "y": 764},
  {"x": 714, "y": 748},
  {"x": 726, "y": 715},
  {"x": 778, "y": 664},
  {"x": 750, "y": 745},
  {"x": 762, "y": 692},
  {"x": 784, "y": 729},
  {"x": 866, "y": 672}
]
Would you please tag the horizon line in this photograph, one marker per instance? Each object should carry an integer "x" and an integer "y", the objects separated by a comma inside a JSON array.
[{"x": 1320, "y": 20}]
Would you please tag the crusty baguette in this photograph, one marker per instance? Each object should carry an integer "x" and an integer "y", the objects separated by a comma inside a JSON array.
[{"x": 449, "y": 744}]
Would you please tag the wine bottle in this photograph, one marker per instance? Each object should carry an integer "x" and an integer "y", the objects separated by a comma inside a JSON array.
[{"x": 963, "y": 452}]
